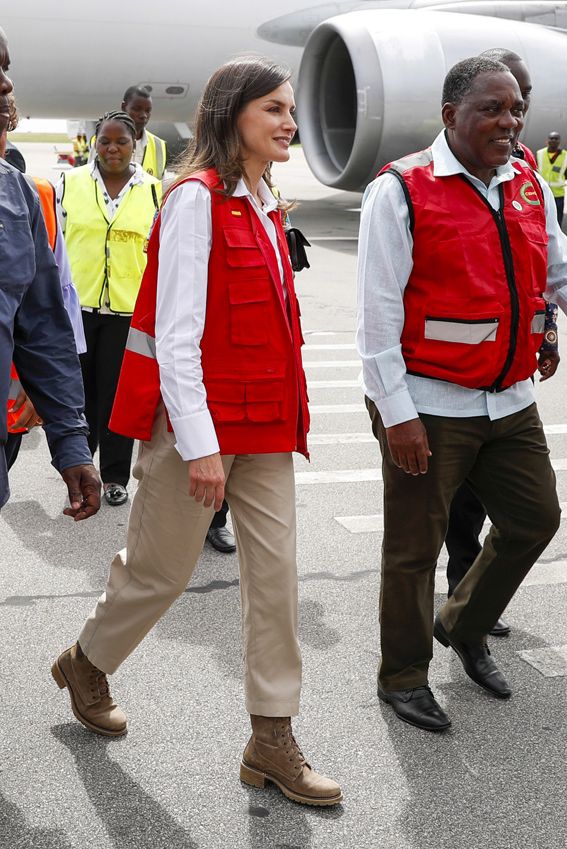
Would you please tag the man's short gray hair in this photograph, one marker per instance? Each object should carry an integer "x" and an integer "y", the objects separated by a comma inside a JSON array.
[{"x": 460, "y": 79}]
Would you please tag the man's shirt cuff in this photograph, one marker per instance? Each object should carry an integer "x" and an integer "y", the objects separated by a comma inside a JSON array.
[{"x": 397, "y": 409}]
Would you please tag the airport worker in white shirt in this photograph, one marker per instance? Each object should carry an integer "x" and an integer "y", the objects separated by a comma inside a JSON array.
[
  {"x": 213, "y": 385},
  {"x": 458, "y": 246}
]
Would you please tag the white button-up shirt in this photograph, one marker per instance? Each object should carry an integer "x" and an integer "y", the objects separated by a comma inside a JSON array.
[
  {"x": 185, "y": 245},
  {"x": 384, "y": 267}
]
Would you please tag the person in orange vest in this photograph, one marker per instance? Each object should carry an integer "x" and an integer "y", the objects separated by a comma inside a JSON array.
[
  {"x": 22, "y": 416},
  {"x": 212, "y": 383}
]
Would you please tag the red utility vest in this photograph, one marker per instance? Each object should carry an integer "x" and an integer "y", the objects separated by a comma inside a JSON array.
[
  {"x": 474, "y": 311},
  {"x": 251, "y": 344},
  {"x": 46, "y": 194}
]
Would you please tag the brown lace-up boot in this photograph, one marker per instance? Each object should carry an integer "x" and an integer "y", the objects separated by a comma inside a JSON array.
[
  {"x": 272, "y": 754},
  {"x": 91, "y": 701}
]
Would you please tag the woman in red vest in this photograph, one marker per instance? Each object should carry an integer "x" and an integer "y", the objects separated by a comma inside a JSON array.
[{"x": 213, "y": 386}]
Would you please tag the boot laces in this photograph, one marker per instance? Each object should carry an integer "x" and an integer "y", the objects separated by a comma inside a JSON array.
[
  {"x": 99, "y": 683},
  {"x": 291, "y": 746}
]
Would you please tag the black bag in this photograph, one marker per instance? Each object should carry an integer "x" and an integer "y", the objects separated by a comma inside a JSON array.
[{"x": 297, "y": 243}]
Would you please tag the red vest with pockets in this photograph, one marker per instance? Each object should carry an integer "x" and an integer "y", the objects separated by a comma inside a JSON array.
[
  {"x": 251, "y": 344},
  {"x": 474, "y": 311}
]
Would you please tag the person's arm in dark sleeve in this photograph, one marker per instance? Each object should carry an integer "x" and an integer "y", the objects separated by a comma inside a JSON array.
[
  {"x": 548, "y": 354},
  {"x": 47, "y": 363}
]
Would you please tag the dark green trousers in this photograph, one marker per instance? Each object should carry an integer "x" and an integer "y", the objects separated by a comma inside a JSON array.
[{"x": 506, "y": 462}]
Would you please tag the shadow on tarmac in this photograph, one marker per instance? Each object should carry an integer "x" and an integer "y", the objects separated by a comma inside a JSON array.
[
  {"x": 497, "y": 777},
  {"x": 132, "y": 818},
  {"x": 13, "y": 822}
]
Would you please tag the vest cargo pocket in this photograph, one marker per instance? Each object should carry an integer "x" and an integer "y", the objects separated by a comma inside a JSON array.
[
  {"x": 249, "y": 299},
  {"x": 264, "y": 399},
  {"x": 225, "y": 400},
  {"x": 242, "y": 248}
]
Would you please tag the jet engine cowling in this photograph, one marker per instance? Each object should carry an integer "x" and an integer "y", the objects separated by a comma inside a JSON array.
[{"x": 369, "y": 85}]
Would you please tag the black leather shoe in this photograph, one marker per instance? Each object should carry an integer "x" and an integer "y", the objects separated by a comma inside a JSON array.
[
  {"x": 416, "y": 706},
  {"x": 222, "y": 540},
  {"x": 477, "y": 663},
  {"x": 501, "y": 629}
]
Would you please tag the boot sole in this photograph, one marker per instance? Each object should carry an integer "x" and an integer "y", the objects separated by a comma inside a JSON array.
[
  {"x": 258, "y": 779},
  {"x": 61, "y": 681},
  {"x": 445, "y": 641}
]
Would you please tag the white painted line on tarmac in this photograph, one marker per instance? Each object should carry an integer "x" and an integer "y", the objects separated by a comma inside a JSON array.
[
  {"x": 550, "y": 661},
  {"x": 341, "y": 438},
  {"x": 334, "y": 384},
  {"x": 373, "y": 523},
  {"x": 338, "y": 476},
  {"x": 356, "y": 438},
  {"x": 336, "y": 409},
  {"x": 332, "y": 364},
  {"x": 364, "y": 475},
  {"x": 343, "y": 346},
  {"x": 333, "y": 238}
]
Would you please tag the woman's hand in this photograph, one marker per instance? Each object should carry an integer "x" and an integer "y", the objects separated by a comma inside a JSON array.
[{"x": 206, "y": 480}]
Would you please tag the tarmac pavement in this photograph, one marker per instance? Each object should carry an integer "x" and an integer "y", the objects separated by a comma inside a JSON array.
[{"x": 496, "y": 780}]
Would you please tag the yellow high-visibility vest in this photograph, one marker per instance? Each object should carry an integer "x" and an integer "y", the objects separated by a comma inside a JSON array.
[
  {"x": 102, "y": 251},
  {"x": 553, "y": 172},
  {"x": 155, "y": 156}
]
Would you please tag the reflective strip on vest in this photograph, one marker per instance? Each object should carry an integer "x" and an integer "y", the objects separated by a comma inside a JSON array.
[
  {"x": 160, "y": 164},
  {"x": 538, "y": 323},
  {"x": 468, "y": 332},
  {"x": 14, "y": 389},
  {"x": 141, "y": 343}
]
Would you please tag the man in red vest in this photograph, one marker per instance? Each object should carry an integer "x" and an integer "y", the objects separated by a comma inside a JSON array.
[{"x": 458, "y": 245}]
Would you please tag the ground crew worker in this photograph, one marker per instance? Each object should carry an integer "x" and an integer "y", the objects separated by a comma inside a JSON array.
[
  {"x": 106, "y": 209},
  {"x": 552, "y": 165},
  {"x": 216, "y": 335},
  {"x": 36, "y": 333}
]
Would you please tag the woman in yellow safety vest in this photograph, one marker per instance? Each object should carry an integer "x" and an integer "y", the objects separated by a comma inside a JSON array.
[{"x": 106, "y": 209}]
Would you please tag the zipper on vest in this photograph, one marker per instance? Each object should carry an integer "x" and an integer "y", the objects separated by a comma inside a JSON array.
[
  {"x": 514, "y": 302},
  {"x": 499, "y": 220}
]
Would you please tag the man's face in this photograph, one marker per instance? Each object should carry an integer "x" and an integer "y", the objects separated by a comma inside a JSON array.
[
  {"x": 139, "y": 109},
  {"x": 5, "y": 84},
  {"x": 519, "y": 71},
  {"x": 553, "y": 142},
  {"x": 483, "y": 127}
]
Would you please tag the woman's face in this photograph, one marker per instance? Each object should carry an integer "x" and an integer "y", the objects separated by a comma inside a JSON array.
[
  {"x": 114, "y": 146},
  {"x": 266, "y": 127}
]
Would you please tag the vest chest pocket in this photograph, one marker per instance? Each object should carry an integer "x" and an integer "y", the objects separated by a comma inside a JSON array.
[
  {"x": 249, "y": 310},
  {"x": 17, "y": 253},
  {"x": 242, "y": 249}
]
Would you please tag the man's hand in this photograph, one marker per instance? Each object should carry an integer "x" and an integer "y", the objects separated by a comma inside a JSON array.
[
  {"x": 409, "y": 446},
  {"x": 206, "y": 480},
  {"x": 84, "y": 485},
  {"x": 547, "y": 363},
  {"x": 28, "y": 417}
]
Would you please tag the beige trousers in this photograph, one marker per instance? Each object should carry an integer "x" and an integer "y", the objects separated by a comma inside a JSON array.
[{"x": 166, "y": 533}]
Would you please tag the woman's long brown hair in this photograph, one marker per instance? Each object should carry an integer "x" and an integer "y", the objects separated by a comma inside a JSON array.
[{"x": 216, "y": 143}]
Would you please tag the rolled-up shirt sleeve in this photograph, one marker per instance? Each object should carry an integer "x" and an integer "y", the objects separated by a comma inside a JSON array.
[
  {"x": 384, "y": 266},
  {"x": 45, "y": 354},
  {"x": 185, "y": 244}
]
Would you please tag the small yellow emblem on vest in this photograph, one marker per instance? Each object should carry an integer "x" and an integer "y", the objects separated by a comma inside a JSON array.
[
  {"x": 236, "y": 212},
  {"x": 529, "y": 194}
]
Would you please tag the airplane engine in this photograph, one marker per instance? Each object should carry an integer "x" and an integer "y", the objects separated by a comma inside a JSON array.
[{"x": 369, "y": 85}]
